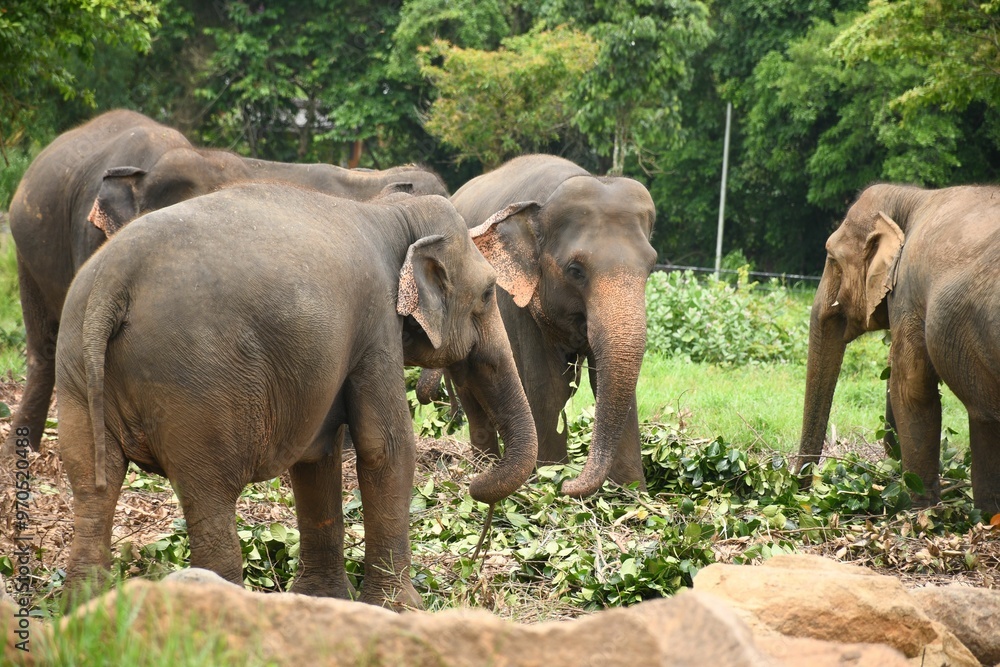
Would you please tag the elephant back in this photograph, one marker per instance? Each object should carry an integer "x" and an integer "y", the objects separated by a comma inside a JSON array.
[{"x": 526, "y": 178}]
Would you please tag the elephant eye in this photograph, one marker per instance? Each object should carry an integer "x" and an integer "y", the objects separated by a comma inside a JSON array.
[
  {"x": 488, "y": 294},
  {"x": 576, "y": 272}
]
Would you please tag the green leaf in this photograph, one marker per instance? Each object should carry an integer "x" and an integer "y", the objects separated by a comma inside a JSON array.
[
  {"x": 629, "y": 568},
  {"x": 516, "y": 520},
  {"x": 913, "y": 482}
]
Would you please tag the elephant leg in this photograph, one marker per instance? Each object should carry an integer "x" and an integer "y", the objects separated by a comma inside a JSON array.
[
  {"x": 41, "y": 328},
  {"x": 209, "y": 507},
  {"x": 482, "y": 432},
  {"x": 383, "y": 438},
  {"x": 320, "y": 512},
  {"x": 93, "y": 510},
  {"x": 547, "y": 387},
  {"x": 916, "y": 404},
  {"x": 984, "y": 439}
]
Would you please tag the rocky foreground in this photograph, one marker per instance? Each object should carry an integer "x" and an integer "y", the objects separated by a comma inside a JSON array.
[{"x": 792, "y": 610}]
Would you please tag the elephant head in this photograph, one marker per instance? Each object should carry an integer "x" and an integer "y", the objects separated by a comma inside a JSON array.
[
  {"x": 578, "y": 262},
  {"x": 447, "y": 295},
  {"x": 851, "y": 299},
  {"x": 183, "y": 173}
]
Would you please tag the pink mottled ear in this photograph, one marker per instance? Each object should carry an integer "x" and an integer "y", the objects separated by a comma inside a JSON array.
[
  {"x": 509, "y": 242},
  {"x": 421, "y": 287},
  {"x": 115, "y": 205},
  {"x": 882, "y": 246}
]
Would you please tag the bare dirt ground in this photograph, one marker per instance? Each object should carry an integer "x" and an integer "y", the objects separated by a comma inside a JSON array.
[{"x": 146, "y": 511}]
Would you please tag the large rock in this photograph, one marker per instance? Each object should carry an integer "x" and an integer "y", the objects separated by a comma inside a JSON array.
[
  {"x": 817, "y": 653},
  {"x": 286, "y": 629},
  {"x": 816, "y": 598},
  {"x": 291, "y": 629},
  {"x": 972, "y": 614}
]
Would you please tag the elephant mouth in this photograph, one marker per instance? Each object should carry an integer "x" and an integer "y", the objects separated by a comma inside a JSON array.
[{"x": 567, "y": 331}]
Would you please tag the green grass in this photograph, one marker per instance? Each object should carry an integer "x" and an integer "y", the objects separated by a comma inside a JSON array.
[
  {"x": 119, "y": 633},
  {"x": 11, "y": 322},
  {"x": 762, "y": 403}
]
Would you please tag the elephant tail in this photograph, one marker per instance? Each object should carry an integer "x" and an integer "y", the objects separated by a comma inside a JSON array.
[{"x": 103, "y": 319}]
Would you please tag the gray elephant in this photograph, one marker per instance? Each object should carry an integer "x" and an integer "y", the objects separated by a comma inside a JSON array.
[
  {"x": 573, "y": 274},
  {"x": 228, "y": 338},
  {"x": 924, "y": 264},
  {"x": 93, "y": 180}
]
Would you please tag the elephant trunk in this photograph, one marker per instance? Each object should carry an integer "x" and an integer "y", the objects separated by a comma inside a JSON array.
[
  {"x": 497, "y": 388},
  {"x": 827, "y": 343},
  {"x": 616, "y": 331}
]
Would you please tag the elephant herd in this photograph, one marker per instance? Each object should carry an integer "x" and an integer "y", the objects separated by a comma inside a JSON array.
[{"x": 219, "y": 320}]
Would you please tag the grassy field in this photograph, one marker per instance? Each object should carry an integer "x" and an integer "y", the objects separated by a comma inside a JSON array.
[{"x": 762, "y": 403}]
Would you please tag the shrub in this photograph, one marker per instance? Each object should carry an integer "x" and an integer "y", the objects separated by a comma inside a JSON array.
[
  {"x": 711, "y": 321},
  {"x": 11, "y": 173}
]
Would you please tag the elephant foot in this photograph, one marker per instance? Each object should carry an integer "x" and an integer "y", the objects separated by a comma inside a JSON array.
[
  {"x": 398, "y": 596},
  {"x": 14, "y": 442},
  {"x": 85, "y": 582},
  {"x": 929, "y": 498},
  {"x": 325, "y": 586}
]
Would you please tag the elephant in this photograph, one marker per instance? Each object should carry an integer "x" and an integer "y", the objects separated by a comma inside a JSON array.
[
  {"x": 231, "y": 337},
  {"x": 924, "y": 264},
  {"x": 582, "y": 241},
  {"x": 93, "y": 180}
]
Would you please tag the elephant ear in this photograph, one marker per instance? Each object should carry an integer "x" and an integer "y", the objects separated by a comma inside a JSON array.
[
  {"x": 882, "y": 248},
  {"x": 508, "y": 240},
  {"x": 400, "y": 187},
  {"x": 116, "y": 205},
  {"x": 422, "y": 286}
]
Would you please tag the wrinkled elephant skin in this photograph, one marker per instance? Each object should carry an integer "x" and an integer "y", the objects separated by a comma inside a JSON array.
[
  {"x": 924, "y": 264},
  {"x": 252, "y": 359},
  {"x": 93, "y": 180},
  {"x": 573, "y": 273}
]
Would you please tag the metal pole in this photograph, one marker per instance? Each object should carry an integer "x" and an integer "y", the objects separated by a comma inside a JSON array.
[{"x": 722, "y": 195}]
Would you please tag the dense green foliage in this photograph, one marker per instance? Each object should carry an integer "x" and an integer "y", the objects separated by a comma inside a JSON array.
[
  {"x": 41, "y": 41},
  {"x": 527, "y": 104},
  {"x": 711, "y": 320},
  {"x": 828, "y": 95}
]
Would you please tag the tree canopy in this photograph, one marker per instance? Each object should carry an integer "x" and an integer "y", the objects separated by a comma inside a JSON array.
[
  {"x": 828, "y": 95},
  {"x": 496, "y": 105},
  {"x": 41, "y": 40}
]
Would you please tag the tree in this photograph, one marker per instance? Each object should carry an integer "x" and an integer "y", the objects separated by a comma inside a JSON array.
[
  {"x": 631, "y": 100},
  {"x": 300, "y": 81},
  {"x": 37, "y": 40},
  {"x": 957, "y": 42},
  {"x": 764, "y": 220},
  {"x": 826, "y": 128},
  {"x": 493, "y": 105}
]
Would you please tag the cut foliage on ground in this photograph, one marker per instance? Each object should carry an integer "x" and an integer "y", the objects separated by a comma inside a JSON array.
[{"x": 549, "y": 556}]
